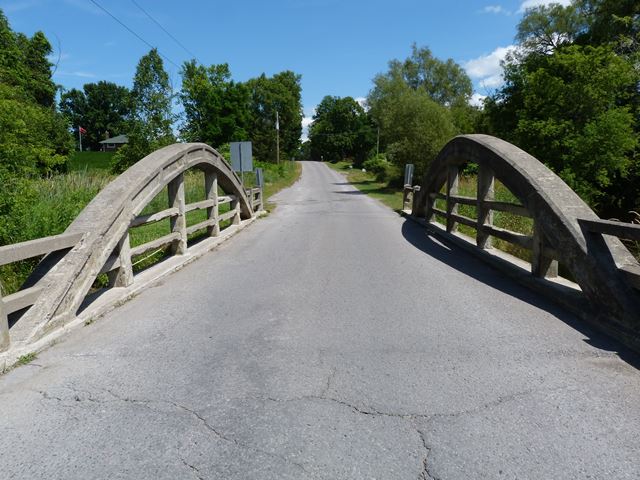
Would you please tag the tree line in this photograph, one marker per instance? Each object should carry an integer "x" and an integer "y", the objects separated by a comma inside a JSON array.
[
  {"x": 37, "y": 134},
  {"x": 571, "y": 98},
  {"x": 217, "y": 110}
]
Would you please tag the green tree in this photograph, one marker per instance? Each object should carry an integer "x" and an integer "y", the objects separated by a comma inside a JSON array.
[
  {"x": 34, "y": 139},
  {"x": 571, "y": 98},
  {"x": 101, "y": 108},
  {"x": 268, "y": 95},
  {"x": 413, "y": 127},
  {"x": 570, "y": 110},
  {"x": 445, "y": 82},
  {"x": 546, "y": 28},
  {"x": 614, "y": 22},
  {"x": 24, "y": 64},
  {"x": 150, "y": 125},
  {"x": 216, "y": 109},
  {"x": 341, "y": 129}
]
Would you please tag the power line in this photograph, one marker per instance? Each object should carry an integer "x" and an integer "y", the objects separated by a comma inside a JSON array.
[
  {"x": 164, "y": 29},
  {"x": 132, "y": 32}
]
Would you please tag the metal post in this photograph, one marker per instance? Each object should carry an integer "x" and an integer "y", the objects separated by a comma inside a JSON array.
[{"x": 80, "y": 136}]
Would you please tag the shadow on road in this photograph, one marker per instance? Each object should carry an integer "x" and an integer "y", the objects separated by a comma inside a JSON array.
[{"x": 466, "y": 263}]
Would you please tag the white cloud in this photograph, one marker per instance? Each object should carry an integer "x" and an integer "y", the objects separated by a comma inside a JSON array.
[
  {"x": 306, "y": 121},
  {"x": 536, "y": 3},
  {"x": 80, "y": 74},
  {"x": 486, "y": 69},
  {"x": 477, "y": 99},
  {"x": 496, "y": 9},
  {"x": 362, "y": 101}
]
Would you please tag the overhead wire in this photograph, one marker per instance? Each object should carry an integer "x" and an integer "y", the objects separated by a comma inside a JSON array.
[
  {"x": 130, "y": 30},
  {"x": 178, "y": 42}
]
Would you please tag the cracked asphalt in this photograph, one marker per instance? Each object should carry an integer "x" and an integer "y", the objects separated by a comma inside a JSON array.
[{"x": 331, "y": 340}]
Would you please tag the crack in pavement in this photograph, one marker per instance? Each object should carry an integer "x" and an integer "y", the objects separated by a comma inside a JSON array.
[
  {"x": 425, "y": 474},
  {"x": 195, "y": 471},
  {"x": 368, "y": 410},
  {"x": 145, "y": 403}
]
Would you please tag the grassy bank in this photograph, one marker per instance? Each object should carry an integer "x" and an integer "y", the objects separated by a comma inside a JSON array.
[
  {"x": 85, "y": 161},
  {"x": 367, "y": 183},
  {"x": 44, "y": 207}
]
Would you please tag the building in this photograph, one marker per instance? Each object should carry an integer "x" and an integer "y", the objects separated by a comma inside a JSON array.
[{"x": 113, "y": 144}]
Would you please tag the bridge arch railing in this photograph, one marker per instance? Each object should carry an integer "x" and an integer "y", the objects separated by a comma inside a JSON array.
[
  {"x": 98, "y": 240},
  {"x": 564, "y": 228}
]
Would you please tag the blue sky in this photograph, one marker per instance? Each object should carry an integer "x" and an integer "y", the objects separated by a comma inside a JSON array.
[{"x": 337, "y": 45}]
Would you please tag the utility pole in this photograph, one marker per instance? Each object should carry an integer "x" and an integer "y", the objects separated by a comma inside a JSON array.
[
  {"x": 378, "y": 143},
  {"x": 277, "y": 138}
]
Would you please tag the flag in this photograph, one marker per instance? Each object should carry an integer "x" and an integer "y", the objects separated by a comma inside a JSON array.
[{"x": 82, "y": 130}]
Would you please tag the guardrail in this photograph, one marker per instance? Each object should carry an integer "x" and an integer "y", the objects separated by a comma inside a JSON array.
[
  {"x": 98, "y": 241},
  {"x": 565, "y": 229}
]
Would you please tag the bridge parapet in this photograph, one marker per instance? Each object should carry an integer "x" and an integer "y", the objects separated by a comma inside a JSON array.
[
  {"x": 564, "y": 229},
  {"x": 56, "y": 295}
]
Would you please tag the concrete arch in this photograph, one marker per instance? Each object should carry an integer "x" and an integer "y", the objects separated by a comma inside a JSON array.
[
  {"x": 67, "y": 276},
  {"x": 557, "y": 212}
]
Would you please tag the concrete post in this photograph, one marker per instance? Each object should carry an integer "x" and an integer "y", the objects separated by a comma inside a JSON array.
[
  {"x": 541, "y": 266},
  {"x": 486, "y": 182},
  {"x": 452, "y": 189},
  {"x": 179, "y": 222},
  {"x": 123, "y": 275},
  {"x": 4, "y": 327},
  {"x": 235, "y": 206},
  {"x": 261, "y": 204},
  {"x": 211, "y": 192}
]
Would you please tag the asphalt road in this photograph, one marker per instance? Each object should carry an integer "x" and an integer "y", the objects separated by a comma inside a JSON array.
[{"x": 331, "y": 340}]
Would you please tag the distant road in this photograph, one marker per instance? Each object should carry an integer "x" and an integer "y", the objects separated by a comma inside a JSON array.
[{"x": 331, "y": 340}]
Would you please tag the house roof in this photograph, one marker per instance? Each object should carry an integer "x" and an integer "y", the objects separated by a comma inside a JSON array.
[{"x": 118, "y": 139}]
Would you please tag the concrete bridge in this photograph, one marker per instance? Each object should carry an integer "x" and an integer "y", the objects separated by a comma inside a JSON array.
[{"x": 331, "y": 339}]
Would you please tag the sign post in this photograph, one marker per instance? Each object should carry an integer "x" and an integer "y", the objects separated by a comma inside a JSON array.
[{"x": 241, "y": 158}]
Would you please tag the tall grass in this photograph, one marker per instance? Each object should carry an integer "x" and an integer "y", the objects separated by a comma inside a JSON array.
[
  {"x": 468, "y": 186},
  {"x": 44, "y": 207},
  {"x": 40, "y": 208}
]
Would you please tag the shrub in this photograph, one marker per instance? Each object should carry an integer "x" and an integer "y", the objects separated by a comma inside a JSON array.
[{"x": 382, "y": 168}]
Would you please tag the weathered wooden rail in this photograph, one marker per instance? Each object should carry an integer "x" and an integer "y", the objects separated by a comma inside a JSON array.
[
  {"x": 565, "y": 229},
  {"x": 98, "y": 242}
]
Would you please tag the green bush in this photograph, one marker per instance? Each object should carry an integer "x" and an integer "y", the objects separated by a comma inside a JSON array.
[{"x": 382, "y": 168}]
